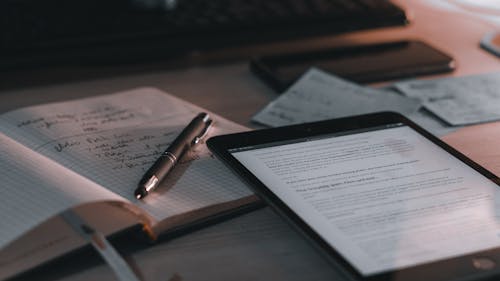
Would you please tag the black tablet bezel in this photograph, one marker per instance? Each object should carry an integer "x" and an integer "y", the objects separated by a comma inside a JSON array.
[{"x": 458, "y": 268}]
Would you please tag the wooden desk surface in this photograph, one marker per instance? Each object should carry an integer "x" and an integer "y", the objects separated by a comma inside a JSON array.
[{"x": 257, "y": 246}]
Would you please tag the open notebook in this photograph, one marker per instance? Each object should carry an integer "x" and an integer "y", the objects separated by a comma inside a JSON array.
[{"x": 94, "y": 151}]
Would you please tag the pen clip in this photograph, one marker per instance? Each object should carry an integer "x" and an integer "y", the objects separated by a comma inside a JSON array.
[{"x": 203, "y": 133}]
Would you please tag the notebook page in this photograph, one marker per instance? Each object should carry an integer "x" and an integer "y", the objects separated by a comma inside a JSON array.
[
  {"x": 114, "y": 139},
  {"x": 35, "y": 188}
]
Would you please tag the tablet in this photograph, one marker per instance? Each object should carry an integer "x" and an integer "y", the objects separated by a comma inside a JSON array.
[{"x": 382, "y": 198}]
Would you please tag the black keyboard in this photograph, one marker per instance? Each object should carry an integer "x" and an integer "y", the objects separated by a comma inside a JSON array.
[{"x": 39, "y": 32}]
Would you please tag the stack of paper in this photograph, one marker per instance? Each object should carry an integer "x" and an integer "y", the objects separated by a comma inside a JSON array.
[
  {"x": 320, "y": 96},
  {"x": 458, "y": 101}
]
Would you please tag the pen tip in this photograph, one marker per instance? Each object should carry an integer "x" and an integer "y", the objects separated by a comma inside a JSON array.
[{"x": 138, "y": 196}]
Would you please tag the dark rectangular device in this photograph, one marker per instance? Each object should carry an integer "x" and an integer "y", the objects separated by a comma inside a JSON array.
[
  {"x": 37, "y": 33},
  {"x": 362, "y": 64},
  {"x": 382, "y": 198}
]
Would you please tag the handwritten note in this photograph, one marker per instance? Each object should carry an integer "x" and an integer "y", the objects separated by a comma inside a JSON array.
[
  {"x": 319, "y": 96},
  {"x": 112, "y": 140},
  {"x": 126, "y": 149},
  {"x": 88, "y": 121},
  {"x": 45, "y": 123},
  {"x": 458, "y": 101}
]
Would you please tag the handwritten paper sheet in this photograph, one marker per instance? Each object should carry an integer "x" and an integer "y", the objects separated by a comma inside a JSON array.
[
  {"x": 112, "y": 140},
  {"x": 320, "y": 96},
  {"x": 460, "y": 100}
]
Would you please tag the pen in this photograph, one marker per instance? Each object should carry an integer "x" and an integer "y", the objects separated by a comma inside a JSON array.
[{"x": 190, "y": 136}]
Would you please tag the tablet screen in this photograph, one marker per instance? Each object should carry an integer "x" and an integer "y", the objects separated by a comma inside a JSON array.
[{"x": 385, "y": 198}]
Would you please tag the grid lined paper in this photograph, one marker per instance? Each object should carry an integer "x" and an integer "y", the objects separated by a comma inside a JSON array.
[
  {"x": 112, "y": 140},
  {"x": 34, "y": 188}
]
